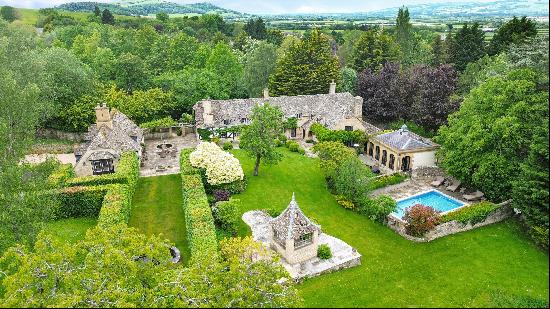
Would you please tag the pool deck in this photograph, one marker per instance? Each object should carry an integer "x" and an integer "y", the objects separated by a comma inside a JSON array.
[{"x": 412, "y": 187}]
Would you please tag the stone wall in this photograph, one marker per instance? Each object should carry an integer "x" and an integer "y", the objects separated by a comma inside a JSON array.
[
  {"x": 505, "y": 211},
  {"x": 427, "y": 172},
  {"x": 166, "y": 133},
  {"x": 56, "y": 134}
]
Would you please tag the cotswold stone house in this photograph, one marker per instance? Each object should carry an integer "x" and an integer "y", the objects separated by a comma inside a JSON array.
[
  {"x": 337, "y": 111},
  {"x": 295, "y": 237},
  {"x": 111, "y": 135},
  {"x": 401, "y": 150}
]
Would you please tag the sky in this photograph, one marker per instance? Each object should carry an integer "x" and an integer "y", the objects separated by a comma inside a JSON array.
[{"x": 269, "y": 7}]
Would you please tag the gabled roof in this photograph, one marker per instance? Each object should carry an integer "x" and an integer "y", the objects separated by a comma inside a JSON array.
[
  {"x": 328, "y": 109},
  {"x": 124, "y": 136},
  {"x": 403, "y": 139},
  {"x": 292, "y": 223}
]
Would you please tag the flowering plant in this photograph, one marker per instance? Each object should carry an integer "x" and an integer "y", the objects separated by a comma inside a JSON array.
[{"x": 221, "y": 167}]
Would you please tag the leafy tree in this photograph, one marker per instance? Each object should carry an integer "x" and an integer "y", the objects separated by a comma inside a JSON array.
[
  {"x": 490, "y": 136},
  {"x": 372, "y": 50},
  {"x": 256, "y": 29},
  {"x": 465, "y": 46},
  {"x": 142, "y": 106},
  {"x": 404, "y": 35},
  {"x": 534, "y": 55},
  {"x": 107, "y": 17},
  {"x": 9, "y": 13},
  {"x": 514, "y": 31},
  {"x": 307, "y": 67},
  {"x": 130, "y": 72},
  {"x": 100, "y": 59},
  {"x": 259, "y": 64},
  {"x": 275, "y": 36},
  {"x": 163, "y": 17},
  {"x": 345, "y": 51},
  {"x": 97, "y": 11},
  {"x": 438, "y": 51},
  {"x": 478, "y": 72},
  {"x": 352, "y": 180},
  {"x": 181, "y": 51},
  {"x": 258, "y": 138},
  {"x": 349, "y": 81}
]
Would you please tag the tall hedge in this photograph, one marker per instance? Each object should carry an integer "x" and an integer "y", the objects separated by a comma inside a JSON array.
[
  {"x": 79, "y": 201},
  {"x": 116, "y": 206},
  {"x": 127, "y": 172},
  {"x": 201, "y": 231}
]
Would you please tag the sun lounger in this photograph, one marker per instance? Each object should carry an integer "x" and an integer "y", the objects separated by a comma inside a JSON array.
[
  {"x": 438, "y": 181},
  {"x": 476, "y": 196},
  {"x": 454, "y": 186}
]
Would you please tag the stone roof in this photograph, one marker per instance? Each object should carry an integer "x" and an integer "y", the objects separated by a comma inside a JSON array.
[
  {"x": 371, "y": 129},
  {"x": 124, "y": 136},
  {"x": 403, "y": 139},
  {"x": 292, "y": 223},
  {"x": 328, "y": 109}
]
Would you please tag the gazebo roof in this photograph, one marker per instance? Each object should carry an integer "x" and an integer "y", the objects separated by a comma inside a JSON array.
[{"x": 292, "y": 223}]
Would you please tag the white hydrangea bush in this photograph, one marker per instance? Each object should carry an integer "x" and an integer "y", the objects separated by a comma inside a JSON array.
[{"x": 221, "y": 167}]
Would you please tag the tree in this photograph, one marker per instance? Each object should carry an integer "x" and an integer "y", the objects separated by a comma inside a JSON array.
[
  {"x": 259, "y": 64},
  {"x": 438, "y": 51},
  {"x": 256, "y": 29},
  {"x": 258, "y": 138},
  {"x": 9, "y": 13},
  {"x": 486, "y": 141},
  {"x": 223, "y": 63},
  {"x": 306, "y": 67},
  {"x": 130, "y": 72},
  {"x": 97, "y": 11},
  {"x": 372, "y": 50},
  {"x": 181, "y": 51},
  {"x": 142, "y": 106},
  {"x": 515, "y": 31},
  {"x": 163, "y": 17},
  {"x": 465, "y": 46},
  {"x": 107, "y": 17},
  {"x": 352, "y": 180},
  {"x": 345, "y": 52},
  {"x": 404, "y": 35},
  {"x": 349, "y": 81}
]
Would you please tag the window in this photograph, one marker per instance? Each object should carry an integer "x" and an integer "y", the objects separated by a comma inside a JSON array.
[
  {"x": 392, "y": 161},
  {"x": 303, "y": 241},
  {"x": 384, "y": 157},
  {"x": 293, "y": 132},
  {"x": 244, "y": 120},
  {"x": 349, "y": 128},
  {"x": 104, "y": 166},
  {"x": 280, "y": 240},
  {"x": 299, "y": 115},
  {"x": 377, "y": 153},
  {"x": 226, "y": 121},
  {"x": 371, "y": 149}
]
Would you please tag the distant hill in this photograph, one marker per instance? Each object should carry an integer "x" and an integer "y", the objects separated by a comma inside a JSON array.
[{"x": 148, "y": 7}]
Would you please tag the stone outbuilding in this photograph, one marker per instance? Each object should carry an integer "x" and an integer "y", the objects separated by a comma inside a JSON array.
[
  {"x": 112, "y": 134},
  {"x": 401, "y": 150},
  {"x": 336, "y": 111},
  {"x": 295, "y": 237}
]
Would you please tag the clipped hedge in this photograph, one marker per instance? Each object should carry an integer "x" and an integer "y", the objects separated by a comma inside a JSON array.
[
  {"x": 127, "y": 172},
  {"x": 324, "y": 134},
  {"x": 185, "y": 166},
  {"x": 201, "y": 231},
  {"x": 473, "y": 214},
  {"x": 116, "y": 206},
  {"x": 79, "y": 201}
]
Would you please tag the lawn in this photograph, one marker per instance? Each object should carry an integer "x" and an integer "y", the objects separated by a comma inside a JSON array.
[
  {"x": 70, "y": 230},
  {"x": 475, "y": 268},
  {"x": 157, "y": 209}
]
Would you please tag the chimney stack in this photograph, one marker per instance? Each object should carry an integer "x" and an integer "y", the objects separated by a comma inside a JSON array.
[
  {"x": 332, "y": 88},
  {"x": 103, "y": 116},
  {"x": 266, "y": 93}
]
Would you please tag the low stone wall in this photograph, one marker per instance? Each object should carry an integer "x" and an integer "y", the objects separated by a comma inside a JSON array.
[
  {"x": 56, "y": 134},
  {"x": 503, "y": 212},
  {"x": 427, "y": 172}
]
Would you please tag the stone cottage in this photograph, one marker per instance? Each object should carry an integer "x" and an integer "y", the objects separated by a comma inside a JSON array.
[
  {"x": 112, "y": 134},
  {"x": 401, "y": 150},
  {"x": 337, "y": 111},
  {"x": 294, "y": 236}
]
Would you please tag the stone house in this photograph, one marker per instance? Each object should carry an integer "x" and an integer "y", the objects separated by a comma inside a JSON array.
[
  {"x": 294, "y": 236},
  {"x": 112, "y": 134},
  {"x": 337, "y": 111},
  {"x": 401, "y": 150}
]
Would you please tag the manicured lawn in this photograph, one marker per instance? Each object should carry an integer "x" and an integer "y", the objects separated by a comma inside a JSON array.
[
  {"x": 463, "y": 270},
  {"x": 157, "y": 209},
  {"x": 70, "y": 230}
]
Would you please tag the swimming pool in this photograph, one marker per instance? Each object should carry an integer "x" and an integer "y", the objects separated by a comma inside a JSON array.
[{"x": 432, "y": 198}]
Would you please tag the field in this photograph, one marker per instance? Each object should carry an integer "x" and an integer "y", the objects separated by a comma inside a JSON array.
[
  {"x": 157, "y": 209},
  {"x": 495, "y": 265}
]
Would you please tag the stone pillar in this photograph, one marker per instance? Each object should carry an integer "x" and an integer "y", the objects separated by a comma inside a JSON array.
[
  {"x": 103, "y": 116},
  {"x": 266, "y": 93},
  {"x": 332, "y": 88}
]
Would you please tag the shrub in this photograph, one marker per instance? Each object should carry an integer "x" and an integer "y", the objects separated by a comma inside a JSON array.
[
  {"x": 293, "y": 146},
  {"x": 204, "y": 134},
  {"x": 60, "y": 175},
  {"x": 221, "y": 167},
  {"x": 377, "y": 209},
  {"x": 539, "y": 234},
  {"x": 323, "y": 252},
  {"x": 310, "y": 141},
  {"x": 346, "y": 137},
  {"x": 343, "y": 201},
  {"x": 226, "y": 215},
  {"x": 421, "y": 219},
  {"x": 185, "y": 165},
  {"x": 227, "y": 146},
  {"x": 301, "y": 151},
  {"x": 282, "y": 138},
  {"x": 278, "y": 143},
  {"x": 473, "y": 214},
  {"x": 234, "y": 187},
  {"x": 351, "y": 179},
  {"x": 165, "y": 122},
  {"x": 221, "y": 195},
  {"x": 331, "y": 155},
  {"x": 386, "y": 180}
]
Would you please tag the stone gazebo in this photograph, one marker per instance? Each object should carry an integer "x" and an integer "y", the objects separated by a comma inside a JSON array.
[{"x": 294, "y": 236}]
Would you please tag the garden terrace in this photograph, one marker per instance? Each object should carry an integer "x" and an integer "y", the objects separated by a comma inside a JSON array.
[{"x": 484, "y": 267}]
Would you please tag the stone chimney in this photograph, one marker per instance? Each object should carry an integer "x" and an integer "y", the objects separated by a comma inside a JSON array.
[
  {"x": 103, "y": 116},
  {"x": 266, "y": 93},
  {"x": 332, "y": 88}
]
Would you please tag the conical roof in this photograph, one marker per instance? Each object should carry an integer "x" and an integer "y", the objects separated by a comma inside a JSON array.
[{"x": 292, "y": 223}]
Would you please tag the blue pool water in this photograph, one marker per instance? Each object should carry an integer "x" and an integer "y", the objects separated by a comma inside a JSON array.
[{"x": 432, "y": 198}]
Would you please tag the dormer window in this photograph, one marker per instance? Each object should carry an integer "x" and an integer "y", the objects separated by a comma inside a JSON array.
[
  {"x": 226, "y": 122},
  {"x": 349, "y": 128},
  {"x": 244, "y": 120},
  {"x": 299, "y": 115}
]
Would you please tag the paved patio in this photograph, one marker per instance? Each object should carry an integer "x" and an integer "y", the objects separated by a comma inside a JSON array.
[
  {"x": 155, "y": 165},
  {"x": 414, "y": 186}
]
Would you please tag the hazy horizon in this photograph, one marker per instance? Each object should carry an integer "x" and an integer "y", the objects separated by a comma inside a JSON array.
[{"x": 268, "y": 7}]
